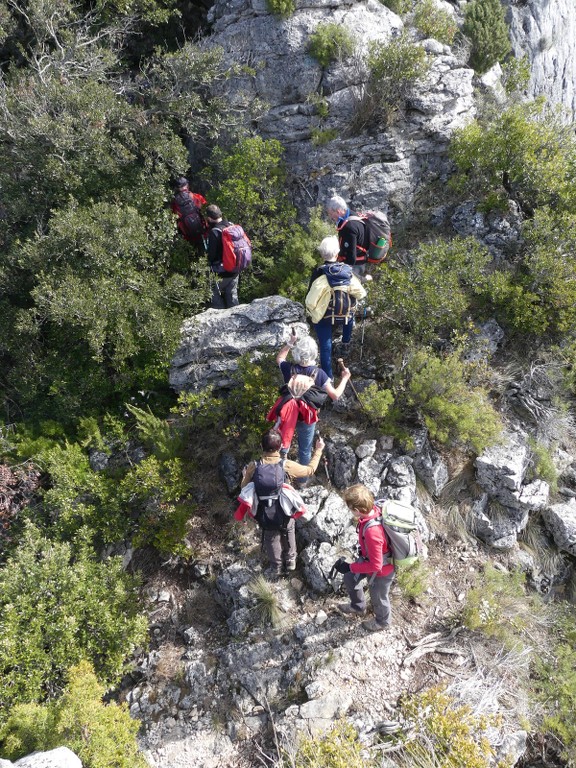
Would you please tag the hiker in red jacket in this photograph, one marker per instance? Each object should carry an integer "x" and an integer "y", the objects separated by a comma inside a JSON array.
[
  {"x": 186, "y": 205},
  {"x": 375, "y": 562}
]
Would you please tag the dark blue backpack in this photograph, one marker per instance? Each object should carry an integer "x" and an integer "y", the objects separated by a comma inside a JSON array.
[{"x": 342, "y": 305}]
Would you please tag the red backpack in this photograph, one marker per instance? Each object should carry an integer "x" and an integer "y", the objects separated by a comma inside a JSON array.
[{"x": 236, "y": 249}]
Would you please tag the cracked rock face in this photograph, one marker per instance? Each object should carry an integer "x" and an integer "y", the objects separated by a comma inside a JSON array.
[
  {"x": 546, "y": 32},
  {"x": 381, "y": 170}
]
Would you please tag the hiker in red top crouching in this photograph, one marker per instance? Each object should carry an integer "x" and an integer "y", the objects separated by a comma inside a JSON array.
[{"x": 375, "y": 562}]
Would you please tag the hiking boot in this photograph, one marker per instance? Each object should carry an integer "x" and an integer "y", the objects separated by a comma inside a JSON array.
[
  {"x": 373, "y": 626},
  {"x": 272, "y": 573},
  {"x": 290, "y": 565},
  {"x": 347, "y": 610}
]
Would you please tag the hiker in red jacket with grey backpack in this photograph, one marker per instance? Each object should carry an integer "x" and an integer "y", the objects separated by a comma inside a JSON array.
[{"x": 229, "y": 252}]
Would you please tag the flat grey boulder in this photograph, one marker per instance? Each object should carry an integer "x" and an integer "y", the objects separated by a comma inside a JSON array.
[{"x": 212, "y": 341}]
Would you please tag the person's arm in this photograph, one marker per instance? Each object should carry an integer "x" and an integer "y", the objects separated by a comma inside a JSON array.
[
  {"x": 375, "y": 548},
  {"x": 283, "y": 354},
  {"x": 348, "y": 243},
  {"x": 299, "y": 470},
  {"x": 214, "y": 246},
  {"x": 335, "y": 392},
  {"x": 248, "y": 474}
]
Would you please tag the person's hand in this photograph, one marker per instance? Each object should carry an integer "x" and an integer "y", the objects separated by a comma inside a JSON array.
[
  {"x": 292, "y": 340},
  {"x": 320, "y": 443},
  {"x": 345, "y": 372},
  {"x": 341, "y": 566}
]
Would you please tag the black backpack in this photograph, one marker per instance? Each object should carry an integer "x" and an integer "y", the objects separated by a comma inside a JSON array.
[
  {"x": 342, "y": 304},
  {"x": 268, "y": 480},
  {"x": 192, "y": 220}
]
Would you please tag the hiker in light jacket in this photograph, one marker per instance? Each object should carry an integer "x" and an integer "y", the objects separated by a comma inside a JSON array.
[
  {"x": 375, "y": 562},
  {"x": 331, "y": 300},
  {"x": 280, "y": 546},
  {"x": 225, "y": 287},
  {"x": 295, "y": 409}
]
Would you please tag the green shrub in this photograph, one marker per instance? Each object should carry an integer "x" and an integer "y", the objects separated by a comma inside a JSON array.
[
  {"x": 432, "y": 291},
  {"x": 445, "y": 733},
  {"x": 321, "y": 137},
  {"x": 485, "y": 26},
  {"x": 401, "y": 7},
  {"x": 413, "y": 579},
  {"x": 542, "y": 464},
  {"x": 102, "y": 735},
  {"x": 58, "y": 606},
  {"x": 454, "y": 412},
  {"x": 393, "y": 70},
  {"x": 524, "y": 152},
  {"x": 516, "y": 74},
  {"x": 320, "y": 104},
  {"x": 282, "y": 8},
  {"x": 377, "y": 403},
  {"x": 339, "y": 748},
  {"x": 555, "y": 681},
  {"x": 498, "y": 606},
  {"x": 432, "y": 21},
  {"x": 330, "y": 42}
]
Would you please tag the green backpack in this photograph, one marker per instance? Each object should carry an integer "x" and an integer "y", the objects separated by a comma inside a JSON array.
[{"x": 399, "y": 523}]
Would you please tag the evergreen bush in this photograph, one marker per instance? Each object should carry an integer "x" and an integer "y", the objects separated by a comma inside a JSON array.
[
  {"x": 454, "y": 412},
  {"x": 338, "y": 748},
  {"x": 330, "y": 42},
  {"x": 60, "y": 605},
  {"x": 102, "y": 735},
  {"x": 393, "y": 69},
  {"x": 432, "y": 21},
  {"x": 282, "y": 8},
  {"x": 485, "y": 26}
]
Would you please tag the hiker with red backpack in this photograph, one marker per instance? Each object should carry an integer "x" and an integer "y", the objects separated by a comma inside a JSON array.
[
  {"x": 272, "y": 501},
  {"x": 364, "y": 238},
  {"x": 374, "y": 563},
  {"x": 187, "y": 206},
  {"x": 306, "y": 389},
  {"x": 331, "y": 300},
  {"x": 229, "y": 252}
]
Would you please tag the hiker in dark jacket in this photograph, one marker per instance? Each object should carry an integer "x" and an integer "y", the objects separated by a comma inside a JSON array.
[
  {"x": 293, "y": 410},
  {"x": 321, "y": 300},
  {"x": 186, "y": 205},
  {"x": 351, "y": 234},
  {"x": 374, "y": 563},
  {"x": 280, "y": 545},
  {"x": 225, "y": 287}
]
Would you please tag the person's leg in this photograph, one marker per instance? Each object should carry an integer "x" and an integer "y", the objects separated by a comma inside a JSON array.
[
  {"x": 353, "y": 585},
  {"x": 230, "y": 291},
  {"x": 324, "y": 333},
  {"x": 347, "y": 331},
  {"x": 380, "y": 597},
  {"x": 217, "y": 296},
  {"x": 273, "y": 547},
  {"x": 289, "y": 546},
  {"x": 305, "y": 434}
]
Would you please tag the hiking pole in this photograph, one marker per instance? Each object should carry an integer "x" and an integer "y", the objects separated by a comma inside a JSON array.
[
  {"x": 341, "y": 365},
  {"x": 363, "y": 329}
]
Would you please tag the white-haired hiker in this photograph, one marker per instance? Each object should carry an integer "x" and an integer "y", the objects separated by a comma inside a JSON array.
[{"x": 306, "y": 387}]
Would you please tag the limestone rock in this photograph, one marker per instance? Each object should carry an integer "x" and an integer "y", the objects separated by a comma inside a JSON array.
[
  {"x": 560, "y": 520},
  {"x": 213, "y": 341},
  {"x": 61, "y": 757}
]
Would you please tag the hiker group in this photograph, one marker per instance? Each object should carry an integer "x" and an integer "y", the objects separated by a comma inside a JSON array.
[{"x": 271, "y": 485}]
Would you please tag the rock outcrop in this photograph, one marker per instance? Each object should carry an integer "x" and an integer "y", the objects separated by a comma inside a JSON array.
[{"x": 61, "y": 757}]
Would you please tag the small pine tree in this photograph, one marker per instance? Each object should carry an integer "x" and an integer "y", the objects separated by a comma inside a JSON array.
[{"x": 485, "y": 26}]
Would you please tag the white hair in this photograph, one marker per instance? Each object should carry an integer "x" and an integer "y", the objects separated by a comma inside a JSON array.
[
  {"x": 329, "y": 248},
  {"x": 305, "y": 351},
  {"x": 336, "y": 203}
]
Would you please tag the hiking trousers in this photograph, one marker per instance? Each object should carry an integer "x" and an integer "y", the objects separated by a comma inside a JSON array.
[
  {"x": 379, "y": 589},
  {"x": 280, "y": 546},
  {"x": 324, "y": 330},
  {"x": 225, "y": 292}
]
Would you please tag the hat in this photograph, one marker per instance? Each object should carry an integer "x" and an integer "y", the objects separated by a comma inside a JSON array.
[{"x": 181, "y": 182}]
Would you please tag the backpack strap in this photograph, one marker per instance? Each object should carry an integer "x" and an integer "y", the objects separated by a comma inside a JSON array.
[{"x": 386, "y": 559}]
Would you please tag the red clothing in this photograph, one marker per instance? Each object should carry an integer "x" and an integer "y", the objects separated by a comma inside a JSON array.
[
  {"x": 289, "y": 414},
  {"x": 374, "y": 546}
]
